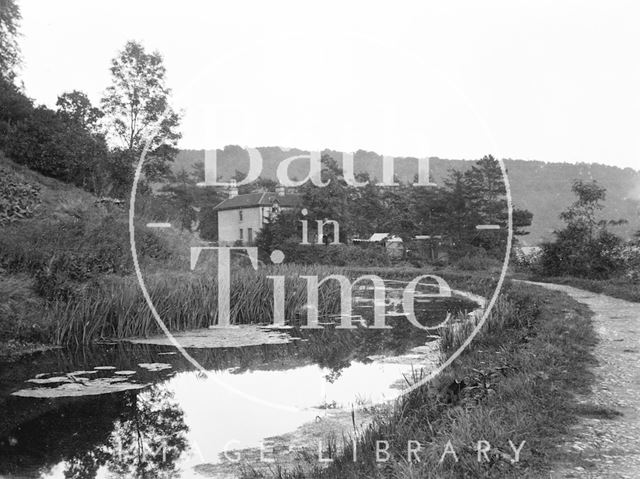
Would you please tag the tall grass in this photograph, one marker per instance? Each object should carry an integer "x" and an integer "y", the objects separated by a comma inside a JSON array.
[
  {"x": 114, "y": 307},
  {"x": 509, "y": 311},
  {"x": 20, "y": 310}
]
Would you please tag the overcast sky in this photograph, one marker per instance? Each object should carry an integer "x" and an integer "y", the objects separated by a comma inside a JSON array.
[{"x": 543, "y": 80}]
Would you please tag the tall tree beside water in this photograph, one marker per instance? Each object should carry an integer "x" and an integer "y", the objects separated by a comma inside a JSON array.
[{"x": 138, "y": 111}]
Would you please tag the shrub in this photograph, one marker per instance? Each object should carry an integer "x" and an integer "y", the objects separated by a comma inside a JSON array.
[
  {"x": 584, "y": 248},
  {"x": 586, "y": 258},
  {"x": 18, "y": 199},
  {"x": 527, "y": 259},
  {"x": 61, "y": 149},
  {"x": 62, "y": 255},
  {"x": 628, "y": 255}
]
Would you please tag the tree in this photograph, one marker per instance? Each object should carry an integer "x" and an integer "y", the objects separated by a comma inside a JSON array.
[
  {"x": 399, "y": 212},
  {"x": 208, "y": 223},
  {"x": 181, "y": 192},
  {"x": 137, "y": 109},
  {"x": 76, "y": 106},
  {"x": 521, "y": 219},
  {"x": 261, "y": 184},
  {"x": 584, "y": 247},
  {"x": 49, "y": 144},
  {"x": 282, "y": 230},
  {"x": 582, "y": 213},
  {"x": 430, "y": 208},
  {"x": 457, "y": 221},
  {"x": 486, "y": 191},
  {"x": 197, "y": 171},
  {"x": 9, "y": 50},
  {"x": 330, "y": 202},
  {"x": 367, "y": 203},
  {"x": 60, "y": 144},
  {"x": 14, "y": 108},
  {"x": 478, "y": 197}
]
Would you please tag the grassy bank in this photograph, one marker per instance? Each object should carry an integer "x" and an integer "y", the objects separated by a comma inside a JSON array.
[
  {"x": 621, "y": 288},
  {"x": 56, "y": 243},
  {"x": 515, "y": 382}
]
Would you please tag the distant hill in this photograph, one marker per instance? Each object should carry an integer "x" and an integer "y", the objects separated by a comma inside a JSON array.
[{"x": 542, "y": 188}]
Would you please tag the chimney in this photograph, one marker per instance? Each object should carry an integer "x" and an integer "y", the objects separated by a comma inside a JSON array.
[
  {"x": 233, "y": 189},
  {"x": 280, "y": 190}
]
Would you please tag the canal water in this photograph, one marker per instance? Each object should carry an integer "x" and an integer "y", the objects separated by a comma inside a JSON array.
[{"x": 121, "y": 409}]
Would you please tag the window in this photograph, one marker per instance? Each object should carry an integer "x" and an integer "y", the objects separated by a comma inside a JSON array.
[
  {"x": 241, "y": 234},
  {"x": 250, "y": 235},
  {"x": 240, "y": 214}
]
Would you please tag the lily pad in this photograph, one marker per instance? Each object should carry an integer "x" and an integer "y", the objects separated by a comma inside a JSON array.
[
  {"x": 155, "y": 366},
  {"x": 89, "y": 388},
  {"x": 81, "y": 373},
  {"x": 117, "y": 379},
  {"x": 231, "y": 337},
  {"x": 124, "y": 373},
  {"x": 52, "y": 380}
]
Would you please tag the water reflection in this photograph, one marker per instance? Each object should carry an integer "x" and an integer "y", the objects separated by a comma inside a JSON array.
[
  {"x": 147, "y": 439},
  {"x": 183, "y": 420}
]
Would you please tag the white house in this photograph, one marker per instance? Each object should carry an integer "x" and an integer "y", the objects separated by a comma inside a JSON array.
[{"x": 241, "y": 217}]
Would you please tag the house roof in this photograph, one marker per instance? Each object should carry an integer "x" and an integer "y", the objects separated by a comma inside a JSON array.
[{"x": 252, "y": 200}]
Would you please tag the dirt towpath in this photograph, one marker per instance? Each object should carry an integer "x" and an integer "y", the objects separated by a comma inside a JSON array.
[{"x": 608, "y": 447}]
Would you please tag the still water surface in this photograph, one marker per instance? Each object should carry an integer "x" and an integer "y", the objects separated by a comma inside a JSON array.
[{"x": 164, "y": 419}]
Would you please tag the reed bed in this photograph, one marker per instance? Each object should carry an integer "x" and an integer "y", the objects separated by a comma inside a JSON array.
[{"x": 114, "y": 306}]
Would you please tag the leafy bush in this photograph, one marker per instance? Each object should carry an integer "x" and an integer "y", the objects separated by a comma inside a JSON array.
[
  {"x": 584, "y": 248},
  {"x": 18, "y": 199},
  {"x": 527, "y": 260},
  {"x": 47, "y": 143},
  {"x": 64, "y": 254},
  {"x": 572, "y": 255},
  {"x": 628, "y": 255}
]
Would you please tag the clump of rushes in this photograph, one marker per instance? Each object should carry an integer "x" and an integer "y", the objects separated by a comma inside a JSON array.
[{"x": 113, "y": 306}]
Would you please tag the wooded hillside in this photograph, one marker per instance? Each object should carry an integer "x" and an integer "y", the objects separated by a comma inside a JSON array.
[{"x": 542, "y": 188}]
